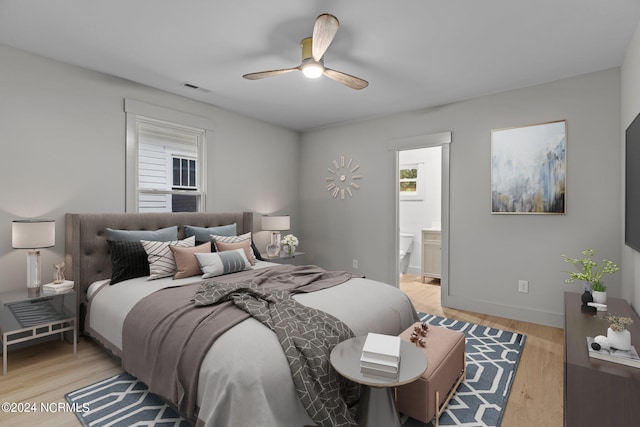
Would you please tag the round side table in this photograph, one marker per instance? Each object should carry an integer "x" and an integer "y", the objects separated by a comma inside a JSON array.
[{"x": 377, "y": 407}]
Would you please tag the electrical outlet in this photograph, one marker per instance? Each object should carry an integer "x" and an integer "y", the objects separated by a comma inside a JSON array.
[
  {"x": 523, "y": 286},
  {"x": 355, "y": 263}
]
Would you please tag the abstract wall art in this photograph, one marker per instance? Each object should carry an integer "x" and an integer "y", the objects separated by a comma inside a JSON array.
[{"x": 528, "y": 169}]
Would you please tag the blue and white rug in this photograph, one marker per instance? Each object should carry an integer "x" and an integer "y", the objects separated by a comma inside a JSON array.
[
  {"x": 122, "y": 401},
  {"x": 492, "y": 357}
]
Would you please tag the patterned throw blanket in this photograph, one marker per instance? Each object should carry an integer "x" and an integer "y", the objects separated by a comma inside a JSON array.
[{"x": 307, "y": 336}]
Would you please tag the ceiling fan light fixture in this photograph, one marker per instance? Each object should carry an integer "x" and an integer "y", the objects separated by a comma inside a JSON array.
[
  {"x": 312, "y": 69},
  {"x": 313, "y": 50}
]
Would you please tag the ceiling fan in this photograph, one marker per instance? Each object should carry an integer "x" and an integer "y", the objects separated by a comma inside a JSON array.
[{"x": 313, "y": 49}]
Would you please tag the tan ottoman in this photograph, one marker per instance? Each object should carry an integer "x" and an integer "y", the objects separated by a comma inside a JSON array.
[{"x": 428, "y": 396}]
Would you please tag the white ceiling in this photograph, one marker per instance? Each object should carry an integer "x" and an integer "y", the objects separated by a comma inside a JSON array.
[{"x": 414, "y": 53}]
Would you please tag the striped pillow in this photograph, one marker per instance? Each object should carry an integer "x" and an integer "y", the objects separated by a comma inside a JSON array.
[
  {"x": 161, "y": 260},
  {"x": 234, "y": 239},
  {"x": 218, "y": 263}
]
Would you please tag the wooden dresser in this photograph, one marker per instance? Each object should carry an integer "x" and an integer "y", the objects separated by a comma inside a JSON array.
[{"x": 597, "y": 392}]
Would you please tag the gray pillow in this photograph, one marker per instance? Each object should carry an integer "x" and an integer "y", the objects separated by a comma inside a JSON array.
[
  {"x": 162, "y": 235},
  {"x": 203, "y": 234}
]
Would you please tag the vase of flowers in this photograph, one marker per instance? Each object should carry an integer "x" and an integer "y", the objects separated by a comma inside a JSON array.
[
  {"x": 588, "y": 271},
  {"x": 617, "y": 333},
  {"x": 290, "y": 243}
]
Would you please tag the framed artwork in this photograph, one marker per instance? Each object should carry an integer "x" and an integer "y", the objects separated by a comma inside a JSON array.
[
  {"x": 528, "y": 169},
  {"x": 412, "y": 181}
]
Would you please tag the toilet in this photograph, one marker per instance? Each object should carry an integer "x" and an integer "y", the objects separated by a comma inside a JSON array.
[{"x": 406, "y": 247}]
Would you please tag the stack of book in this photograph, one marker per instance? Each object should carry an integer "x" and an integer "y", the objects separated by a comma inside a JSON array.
[
  {"x": 57, "y": 288},
  {"x": 624, "y": 357},
  {"x": 381, "y": 356}
]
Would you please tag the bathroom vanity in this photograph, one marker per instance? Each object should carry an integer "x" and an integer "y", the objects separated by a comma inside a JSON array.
[{"x": 431, "y": 253}]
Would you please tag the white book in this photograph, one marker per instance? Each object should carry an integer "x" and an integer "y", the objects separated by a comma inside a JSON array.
[
  {"x": 381, "y": 365},
  {"x": 624, "y": 357},
  {"x": 67, "y": 285},
  {"x": 383, "y": 348},
  {"x": 374, "y": 373}
]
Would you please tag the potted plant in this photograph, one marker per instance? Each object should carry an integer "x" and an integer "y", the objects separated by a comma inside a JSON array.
[
  {"x": 617, "y": 333},
  {"x": 588, "y": 271}
]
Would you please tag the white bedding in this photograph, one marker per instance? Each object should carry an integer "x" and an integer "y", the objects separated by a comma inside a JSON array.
[{"x": 244, "y": 378}]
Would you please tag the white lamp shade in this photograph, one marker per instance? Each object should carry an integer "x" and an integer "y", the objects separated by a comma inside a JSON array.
[
  {"x": 33, "y": 234},
  {"x": 276, "y": 222}
]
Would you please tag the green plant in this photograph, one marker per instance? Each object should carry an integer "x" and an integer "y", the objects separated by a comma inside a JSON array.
[
  {"x": 587, "y": 269},
  {"x": 598, "y": 286}
]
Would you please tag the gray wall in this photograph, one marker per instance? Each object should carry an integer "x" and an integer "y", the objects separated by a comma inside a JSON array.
[
  {"x": 489, "y": 253},
  {"x": 62, "y": 131},
  {"x": 63, "y": 138},
  {"x": 630, "y": 76}
]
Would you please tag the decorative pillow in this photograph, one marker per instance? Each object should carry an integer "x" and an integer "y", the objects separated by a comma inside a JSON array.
[
  {"x": 186, "y": 262},
  {"x": 161, "y": 261},
  {"x": 128, "y": 260},
  {"x": 234, "y": 239},
  {"x": 161, "y": 235},
  {"x": 244, "y": 245},
  {"x": 203, "y": 233},
  {"x": 256, "y": 252},
  {"x": 219, "y": 263}
]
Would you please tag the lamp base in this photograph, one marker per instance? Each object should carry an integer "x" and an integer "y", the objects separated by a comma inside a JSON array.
[
  {"x": 273, "y": 249},
  {"x": 33, "y": 273}
]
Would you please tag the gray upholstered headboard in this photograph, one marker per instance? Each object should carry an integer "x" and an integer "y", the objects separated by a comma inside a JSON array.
[{"x": 87, "y": 252}]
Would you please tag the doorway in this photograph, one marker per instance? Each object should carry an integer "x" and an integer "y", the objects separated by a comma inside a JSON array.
[
  {"x": 419, "y": 211},
  {"x": 420, "y": 206}
]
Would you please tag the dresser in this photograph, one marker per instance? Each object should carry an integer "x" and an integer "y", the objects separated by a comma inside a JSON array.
[
  {"x": 431, "y": 253},
  {"x": 597, "y": 392}
]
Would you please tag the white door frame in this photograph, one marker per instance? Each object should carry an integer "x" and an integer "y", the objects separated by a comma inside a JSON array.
[{"x": 442, "y": 139}]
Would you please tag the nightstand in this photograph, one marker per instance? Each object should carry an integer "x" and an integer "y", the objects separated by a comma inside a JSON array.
[
  {"x": 377, "y": 405},
  {"x": 296, "y": 258},
  {"x": 24, "y": 318}
]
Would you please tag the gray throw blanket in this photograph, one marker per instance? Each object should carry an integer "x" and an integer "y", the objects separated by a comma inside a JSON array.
[
  {"x": 165, "y": 337},
  {"x": 307, "y": 337}
]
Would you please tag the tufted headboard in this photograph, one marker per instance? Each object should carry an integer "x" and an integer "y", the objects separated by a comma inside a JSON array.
[{"x": 87, "y": 252}]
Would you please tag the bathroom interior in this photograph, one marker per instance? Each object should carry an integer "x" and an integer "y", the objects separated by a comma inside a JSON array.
[{"x": 420, "y": 214}]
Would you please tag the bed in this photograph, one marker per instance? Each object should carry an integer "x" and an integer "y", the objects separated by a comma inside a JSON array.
[{"x": 241, "y": 381}]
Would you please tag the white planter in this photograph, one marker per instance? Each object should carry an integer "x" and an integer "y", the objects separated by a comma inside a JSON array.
[
  {"x": 619, "y": 340},
  {"x": 599, "y": 297}
]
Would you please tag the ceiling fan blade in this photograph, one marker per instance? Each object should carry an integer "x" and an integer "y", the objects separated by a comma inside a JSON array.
[
  {"x": 324, "y": 30},
  {"x": 346, "y": 79},
  {"x": 263, "y": 74}
]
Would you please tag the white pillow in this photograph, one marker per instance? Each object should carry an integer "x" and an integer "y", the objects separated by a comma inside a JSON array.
[
  {"x": 234, "y": 239},
  {"x": 218, "y": 263},
  {"x": 161, "y": 260}
]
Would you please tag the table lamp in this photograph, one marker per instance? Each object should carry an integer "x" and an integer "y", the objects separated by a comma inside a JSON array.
[
  {"x": 33, "y": 234},
  {"x": 275, "y": 224}
]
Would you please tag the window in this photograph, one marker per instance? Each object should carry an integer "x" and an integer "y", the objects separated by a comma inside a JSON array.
[
  {"x": 184, "y": 173},
  {"x": 165, "y": 159},
  {"x": 411, "y": 182}
]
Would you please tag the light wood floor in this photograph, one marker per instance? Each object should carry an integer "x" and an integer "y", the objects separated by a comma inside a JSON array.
[
  {"x": 536, "y": 397},
  {"x": 44, "y": 373}
]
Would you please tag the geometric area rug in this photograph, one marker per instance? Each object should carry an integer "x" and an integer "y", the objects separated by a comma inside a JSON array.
[
  {"x": 492, "y": 357},
  {"x": 122, "y": 401}
]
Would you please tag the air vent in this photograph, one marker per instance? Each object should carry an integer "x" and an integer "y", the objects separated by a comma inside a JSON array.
[{"x": 191, "y": 86}]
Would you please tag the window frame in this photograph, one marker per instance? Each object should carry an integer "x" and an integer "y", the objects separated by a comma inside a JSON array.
[
  {"x": 419, "y": 180},
  {"x": 139, "y": 114}
]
